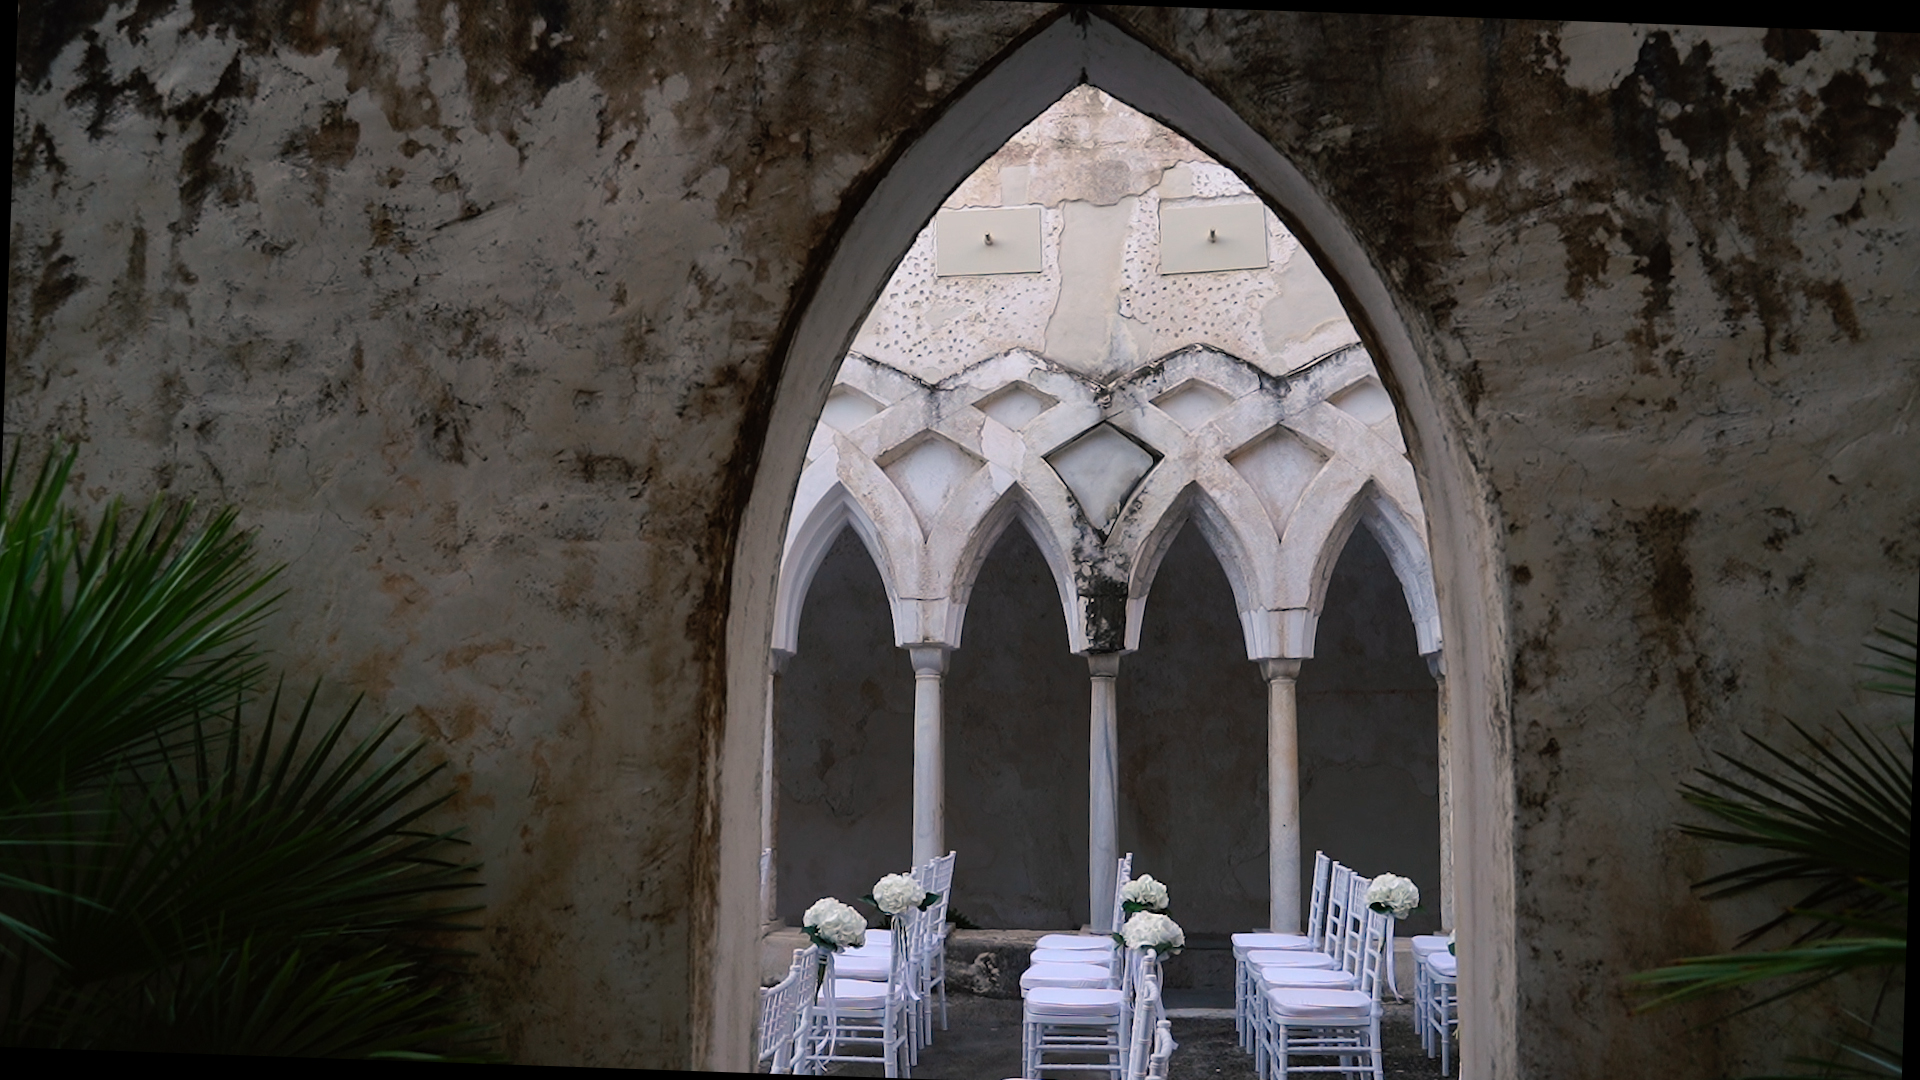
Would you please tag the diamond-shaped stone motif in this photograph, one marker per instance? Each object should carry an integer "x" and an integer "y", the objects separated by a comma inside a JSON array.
[
  {"x": 1279, "y": 466},
  {"x": 848, "y": 408},
  {"x": 1192, "y": 403},
  {"x": 1366, "y": 401},
  {"x": 928, "y": 474},
  {"x": 1101, "y": 468},
  {"x": 1016, "y": 404}
]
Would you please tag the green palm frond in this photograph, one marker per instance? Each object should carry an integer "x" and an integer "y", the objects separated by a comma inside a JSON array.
[
  {"x": 181, "y": 868},
  {"x": 301, "y": 845},
  {"x": 112, "y": 644},
  {"x": 1839, "y": 825},
  {"x": 1836, "y": 823},
  {"x": 1899, "y": 665},
  {"x": 1699, "y": 976}
]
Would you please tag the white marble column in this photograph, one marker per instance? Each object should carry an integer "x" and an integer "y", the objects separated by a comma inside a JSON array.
[
  {"x": 929, "y": 754},
  {"x": 770, "y": 792},
  {"x": 1283, "y": 796},
  {"x": 1436, "y": 664},
  {"x": 1103, "y": 790}
]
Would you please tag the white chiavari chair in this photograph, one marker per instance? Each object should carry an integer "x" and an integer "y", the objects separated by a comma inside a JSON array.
[
  {"x": 783, "y": 1006},
  {"x": 1319, "y": 1024}
]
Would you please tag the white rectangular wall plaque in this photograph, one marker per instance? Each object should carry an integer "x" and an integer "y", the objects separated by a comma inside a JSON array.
[
  {"x": 1196, "y": 239},
  {"x": 1003, "y": 241}
]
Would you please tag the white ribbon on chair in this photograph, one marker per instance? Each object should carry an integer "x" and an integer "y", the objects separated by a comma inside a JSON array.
[
  {"x": 833, "y": 1006},
  {"x": 901, "y": 960},
  {"x": 1393, "y": 983}
]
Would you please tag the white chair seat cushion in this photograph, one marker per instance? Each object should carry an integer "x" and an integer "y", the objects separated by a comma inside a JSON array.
[
  {"x": 1428, "y": 943},
  {"x": 1066, "y": 956},
  {"x": 1072, "y": 1003},
  {"x": 1317, "y": 978},
  {"x": 1444, "y": 964},
  {"x": 1264, "y": 940},
  {"x": 1283, "y": 958},
  {"x": 857, "y": 996},
  {"x": 1076, "y": 941},
  {"x": 1081, "y": 975},
  {"x": 862, "y": 967},
  {"x": 1244, "y": 943},
  {"x": 1298, "y": 1003}
]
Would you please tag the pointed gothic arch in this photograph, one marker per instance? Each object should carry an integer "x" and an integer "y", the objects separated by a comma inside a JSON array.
[
  {"x": 1233, "y": 548},
  {"x": 825, "y": 510},
  {"x": 1067, "y": 48},
  {"x": 1015, "y": 506}
]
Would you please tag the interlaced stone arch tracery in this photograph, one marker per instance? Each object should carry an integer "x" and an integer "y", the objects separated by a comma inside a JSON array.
[{"x": 963, "y": 409}]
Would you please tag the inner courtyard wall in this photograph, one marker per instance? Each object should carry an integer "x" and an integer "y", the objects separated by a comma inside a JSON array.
[{"x": 475, "y": 312}]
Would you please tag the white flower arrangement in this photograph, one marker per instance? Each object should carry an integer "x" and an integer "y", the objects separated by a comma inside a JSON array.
[
  {"x": 1152, "y": 930},
  {"x": 1393, "y": 894},
  {"x": 1143, "y": 894},
  {"x": 897, "y": 894},
  {"x": 834, "y": 926}
]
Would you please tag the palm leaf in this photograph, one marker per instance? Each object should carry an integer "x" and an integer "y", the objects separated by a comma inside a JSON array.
[
  {"x": 1697, "y": 976},
  {"x": 1839, "y": 825},
  {"x": 1900, "y": 653},
  {"x": 113, "y": 644},
  {"x": 293, "y": 840},
  {"x": 299, "y": 847}
]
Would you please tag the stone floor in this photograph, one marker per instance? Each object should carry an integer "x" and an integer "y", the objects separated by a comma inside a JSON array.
[{"x": 982, "y": 1042}]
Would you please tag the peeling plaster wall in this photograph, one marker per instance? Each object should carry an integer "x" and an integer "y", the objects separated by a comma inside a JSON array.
[
  {"x": 1100, "y": 172},
  {"x": 475, "y": 311}
]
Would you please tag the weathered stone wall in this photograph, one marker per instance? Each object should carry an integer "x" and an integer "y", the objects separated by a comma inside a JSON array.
[{"x": 476, "y": 311}]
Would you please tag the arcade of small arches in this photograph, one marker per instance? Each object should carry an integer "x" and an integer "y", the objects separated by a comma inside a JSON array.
[{"x": 966, "y": 407}]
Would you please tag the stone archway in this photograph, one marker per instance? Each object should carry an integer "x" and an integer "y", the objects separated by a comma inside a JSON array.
[{"x": 1029, "y": 78}]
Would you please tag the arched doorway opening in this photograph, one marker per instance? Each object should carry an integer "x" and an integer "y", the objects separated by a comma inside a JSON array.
[{"x": 1030, "y": 77}]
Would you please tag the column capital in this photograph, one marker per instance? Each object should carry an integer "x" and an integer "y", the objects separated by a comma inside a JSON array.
[
  {"x": 928, "y": 659},
  {"x": 1280, "y": 667},
  {"x": 1103, "y": 665},
  {"x": 1436, "y": 664}
]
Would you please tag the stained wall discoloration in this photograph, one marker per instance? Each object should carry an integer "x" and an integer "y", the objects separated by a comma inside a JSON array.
[{"x": 1654, "y": 271}]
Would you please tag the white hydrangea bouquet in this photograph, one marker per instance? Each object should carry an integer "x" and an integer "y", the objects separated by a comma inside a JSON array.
[
  {"x": 834, "y": 926},
  {"x": 897, "y": 894},
  {"x": 1151, "y": 930},
  {"x": 1143, "y": 894},
  {"x": 1393, "y": 895}
]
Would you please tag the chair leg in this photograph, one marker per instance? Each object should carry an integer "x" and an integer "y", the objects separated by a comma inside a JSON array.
[{"x": 943, "y": 997}]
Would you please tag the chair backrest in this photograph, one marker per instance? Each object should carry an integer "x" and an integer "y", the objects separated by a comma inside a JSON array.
[
  {"x": 1379, "y": 931},
  {"x": 939, "y": 880},
  {"x": 783, "y": 1008},
  {"x": 1354, "y": 926},
  {"x": 1148, "y": 1011},
  {"x": 1317, "y": 912},
  {"x": 1122, "y": 873},
  {"x": 1333, "y": 929}
]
